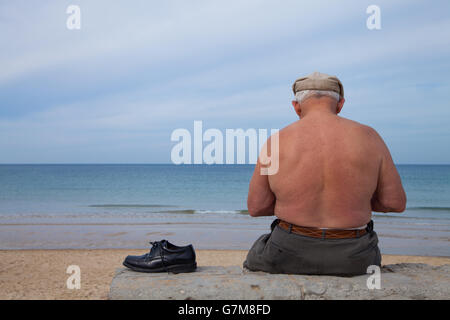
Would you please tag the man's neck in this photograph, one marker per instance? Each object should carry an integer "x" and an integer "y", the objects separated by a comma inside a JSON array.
[
  {"x": 323, "y": 106},
  {"x": 319, "y": 110}
]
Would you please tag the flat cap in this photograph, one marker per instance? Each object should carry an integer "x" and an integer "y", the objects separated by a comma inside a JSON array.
[{"x": 318, "y": 81}]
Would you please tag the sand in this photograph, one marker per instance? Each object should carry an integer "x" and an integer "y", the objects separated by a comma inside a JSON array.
[{"x": 41, "y": 274}]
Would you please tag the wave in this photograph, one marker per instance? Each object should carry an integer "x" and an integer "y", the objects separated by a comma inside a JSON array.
[
  {"x": 192, "y": 211},
  {"x": 132, "y": 206},
  {"x": 223, "y": 211},
  {"x": 186, "y": 211},
  {"x": 405, "y": 217},
  {"x": 418, "y": 208},
  {"x": 120, "y": 213},
  {"x": 429, "y": 208}
]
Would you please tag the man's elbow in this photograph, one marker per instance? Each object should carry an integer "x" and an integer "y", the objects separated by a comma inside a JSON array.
[
  {"x": 398, "y": 204},
  {"x": 401, "y": 206},
  {"x": 257, "y": 210},
  {"x": 254, "y": 211},
  {"x": 398, "y": 208}
]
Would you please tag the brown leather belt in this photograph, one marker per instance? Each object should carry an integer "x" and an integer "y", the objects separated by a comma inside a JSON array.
[{"x": 322, "y": 233}]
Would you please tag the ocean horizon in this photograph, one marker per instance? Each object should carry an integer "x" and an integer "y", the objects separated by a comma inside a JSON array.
[{"x": 72, "y": 206}]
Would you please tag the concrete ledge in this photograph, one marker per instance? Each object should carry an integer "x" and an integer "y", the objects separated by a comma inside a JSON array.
[{"x": 398, "y": 281}]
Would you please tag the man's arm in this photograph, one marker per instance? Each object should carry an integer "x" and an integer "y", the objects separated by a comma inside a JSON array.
[
  {"x": 260, "y": 200},
  {"x": 389, "y": 195}
]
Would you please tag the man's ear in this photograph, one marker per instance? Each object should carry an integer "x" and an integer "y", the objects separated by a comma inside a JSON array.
[
  {"x": 340, "y": 105},
  {"x": 297, "y": 108}
]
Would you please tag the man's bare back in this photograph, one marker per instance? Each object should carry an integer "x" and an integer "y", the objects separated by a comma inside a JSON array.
[
  {"x": 323, "y": 171},
  {"x": 333, "y": 172}
]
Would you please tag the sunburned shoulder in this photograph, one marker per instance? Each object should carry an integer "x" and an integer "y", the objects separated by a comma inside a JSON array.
[
  {"x": 362, "y": 128},
  {"x": 358, "y": 128},
  {"x": 289, "y": 128},
  {"x": 351, "y": 123}
]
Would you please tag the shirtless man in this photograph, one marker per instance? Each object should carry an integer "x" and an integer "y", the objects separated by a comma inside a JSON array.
[{"x": 332, "y": 173}]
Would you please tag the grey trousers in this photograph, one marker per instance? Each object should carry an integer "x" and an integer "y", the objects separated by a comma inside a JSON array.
[{"x": 283, "y": 252}]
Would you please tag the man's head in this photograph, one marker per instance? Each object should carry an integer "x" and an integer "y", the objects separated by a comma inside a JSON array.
[{"x": 318, "y": 91}]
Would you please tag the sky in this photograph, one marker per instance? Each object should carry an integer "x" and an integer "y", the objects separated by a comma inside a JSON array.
[{"x": 114, "y": 90}]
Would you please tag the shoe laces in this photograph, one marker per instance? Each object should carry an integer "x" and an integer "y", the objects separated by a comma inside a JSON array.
[{"x": 156, "y": 244}]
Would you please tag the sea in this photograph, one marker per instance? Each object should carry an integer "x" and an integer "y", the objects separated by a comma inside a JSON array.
[{"x": 91, "y": 206}]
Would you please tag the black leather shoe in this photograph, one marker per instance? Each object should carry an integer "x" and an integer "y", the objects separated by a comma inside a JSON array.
[{"x": 164, "y": 257}]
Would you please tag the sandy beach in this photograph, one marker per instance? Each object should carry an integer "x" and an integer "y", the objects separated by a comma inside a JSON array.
[{"x": 41, "y": 274}]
